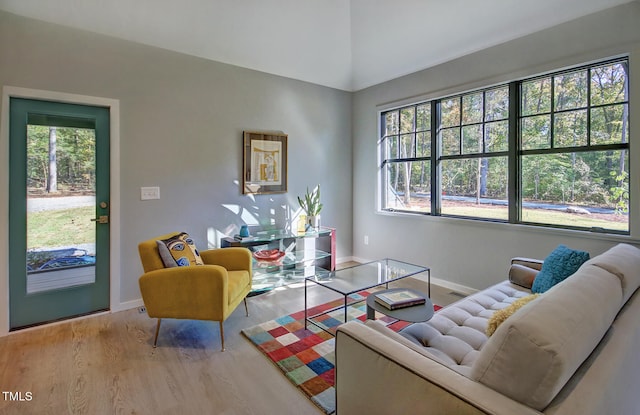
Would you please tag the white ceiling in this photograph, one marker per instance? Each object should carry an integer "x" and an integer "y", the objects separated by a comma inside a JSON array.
[{"x": 344, "y": 44}]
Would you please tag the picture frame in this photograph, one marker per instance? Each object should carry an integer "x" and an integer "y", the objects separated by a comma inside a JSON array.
[{"x": 264, "y": 166}]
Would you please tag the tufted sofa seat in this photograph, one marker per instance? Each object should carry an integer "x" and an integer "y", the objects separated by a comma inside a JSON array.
[{"x": 455, "y": 335}]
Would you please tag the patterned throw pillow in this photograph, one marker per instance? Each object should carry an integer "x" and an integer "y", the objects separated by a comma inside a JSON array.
[
  {"x": 560, "y": 264},
  {"x": 500, "y": 316},
  {"x": 179, "y": 251}
]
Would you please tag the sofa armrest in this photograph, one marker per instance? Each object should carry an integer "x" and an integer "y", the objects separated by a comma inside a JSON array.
[
  {"x": 528, "y": 262},
  {"x": 524, "y": 270},
  {"x": 377, "y": 375}
]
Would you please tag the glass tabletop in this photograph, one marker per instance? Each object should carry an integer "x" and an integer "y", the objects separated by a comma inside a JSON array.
[
  {"x": 363, "y": 276},
  {"x": 269, "y": 235}
]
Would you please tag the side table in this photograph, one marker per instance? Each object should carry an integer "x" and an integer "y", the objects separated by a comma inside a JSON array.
[
  {"x": 413, "y": 314},
  {"x": 305, "y": 254}
]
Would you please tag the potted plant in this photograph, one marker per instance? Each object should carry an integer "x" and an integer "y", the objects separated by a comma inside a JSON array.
[{"x": 312, "y": 207}]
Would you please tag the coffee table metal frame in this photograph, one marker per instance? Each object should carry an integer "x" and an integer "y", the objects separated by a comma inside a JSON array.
[{"x": 351, "y": 280}]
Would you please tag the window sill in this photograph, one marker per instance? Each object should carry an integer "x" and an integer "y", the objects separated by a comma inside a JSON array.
[{"x": 498, "y": 225}]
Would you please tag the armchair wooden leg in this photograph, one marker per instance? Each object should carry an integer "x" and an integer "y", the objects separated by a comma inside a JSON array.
[
  {"x": 155, "y": 340},
  {"x": 246, "y": 308},
  {"x": 222, "y": 335}
]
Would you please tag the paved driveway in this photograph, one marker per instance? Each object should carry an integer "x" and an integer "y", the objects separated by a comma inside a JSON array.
[{"x": 39, "y": 204}]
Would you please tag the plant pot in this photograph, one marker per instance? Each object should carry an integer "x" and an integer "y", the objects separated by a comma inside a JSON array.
[{"x": 313, "y": 222}]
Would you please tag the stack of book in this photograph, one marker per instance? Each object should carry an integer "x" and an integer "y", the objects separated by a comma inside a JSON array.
[{"x": 399, "y": 299}]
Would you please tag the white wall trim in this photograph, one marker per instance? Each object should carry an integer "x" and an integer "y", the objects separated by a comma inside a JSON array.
[
  {"x": 114, "y": 108},
  {"x": 459, "y": 288},
  {"x": 127, "y": 305},
  {"x": 342, "y": 260},
  {"x": 360, "y": 260}
]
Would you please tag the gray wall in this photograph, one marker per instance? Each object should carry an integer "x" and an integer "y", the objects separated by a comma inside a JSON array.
[
  {"x": 181, "y": 129},
  {"x": 181, "y": 121},
  {"x": 472, "y": 253}
]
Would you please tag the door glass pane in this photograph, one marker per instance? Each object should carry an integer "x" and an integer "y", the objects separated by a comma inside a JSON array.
[{"x": 61, "y": 202}]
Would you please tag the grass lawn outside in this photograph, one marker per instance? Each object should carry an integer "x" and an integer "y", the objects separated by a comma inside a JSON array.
[
  {"x": 60, "y": 227},
  {"x": 73, "y": 226},
  {"x": 616, "y": 222},
  {"x": 546, "y": 216}
]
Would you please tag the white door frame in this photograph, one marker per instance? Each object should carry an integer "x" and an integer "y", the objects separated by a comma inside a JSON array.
[{"x": 114, "y": 219}]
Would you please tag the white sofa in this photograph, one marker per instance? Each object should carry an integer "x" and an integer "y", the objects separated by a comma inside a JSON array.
[{"x": 573, "y": 350}]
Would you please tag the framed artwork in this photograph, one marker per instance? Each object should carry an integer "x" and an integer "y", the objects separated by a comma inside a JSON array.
[{"x": 264, "y": 163}]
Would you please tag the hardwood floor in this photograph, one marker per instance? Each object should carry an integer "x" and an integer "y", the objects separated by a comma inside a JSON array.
[{"x": 105, "y": 364}]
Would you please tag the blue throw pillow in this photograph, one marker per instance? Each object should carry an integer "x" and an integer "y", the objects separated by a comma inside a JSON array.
[{"x": 560, "y": 264}]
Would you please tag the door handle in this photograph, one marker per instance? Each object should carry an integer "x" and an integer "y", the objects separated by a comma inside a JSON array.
[{"x": 101, "y": 219}]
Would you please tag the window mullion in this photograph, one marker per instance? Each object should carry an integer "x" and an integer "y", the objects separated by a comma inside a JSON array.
[
  {"x": 415, "y": 131},
  {"x": 460, "y": 149},
  {"x": 514, "y": 162},
  {"x": 484, "y": 121},
  {"x": 588, "y": 107},
  {"x": 436, "y": 188},
  {"x": 552, "y": 115}
]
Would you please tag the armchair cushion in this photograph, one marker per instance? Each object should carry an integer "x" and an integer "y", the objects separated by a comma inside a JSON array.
[
  {"x": 207, "y": 292},
  {"x": 179, "y": 251}
]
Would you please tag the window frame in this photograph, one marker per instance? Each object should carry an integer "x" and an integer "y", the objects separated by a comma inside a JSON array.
[
  {"x": 385, "y": 162},
  {"x": 515, "y": 152},
  {"x": 484, "y": 154}
]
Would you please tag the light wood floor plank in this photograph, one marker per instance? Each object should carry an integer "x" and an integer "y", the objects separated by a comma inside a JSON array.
[{"x": 105, "y": 364}]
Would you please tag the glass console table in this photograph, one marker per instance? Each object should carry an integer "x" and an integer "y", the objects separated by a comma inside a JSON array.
[{"x": 282, "y": 257}]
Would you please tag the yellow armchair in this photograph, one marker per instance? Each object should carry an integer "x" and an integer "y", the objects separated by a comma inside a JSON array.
[{"x": 199, "y": 292}]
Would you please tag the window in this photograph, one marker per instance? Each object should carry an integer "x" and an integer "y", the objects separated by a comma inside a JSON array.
[
  {"x": 574, "y": 148},
  {"x": 475, "y": 142},
  {"x": 551, "y": 150},
  {"x": 406, "y": 144}
]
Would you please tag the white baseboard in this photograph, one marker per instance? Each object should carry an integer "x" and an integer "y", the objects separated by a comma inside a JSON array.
[
  {"x": 128, "y": 305},
  {"x": 360, "y": 260},
  {"x": 344, "y": 259},
  {"x": 463, "y": 289}
]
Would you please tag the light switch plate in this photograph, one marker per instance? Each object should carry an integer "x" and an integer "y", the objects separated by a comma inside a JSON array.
[{"x": 149, "y": 193}]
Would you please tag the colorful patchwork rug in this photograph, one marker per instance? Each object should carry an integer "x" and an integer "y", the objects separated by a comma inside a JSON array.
[{"x": 307, "y": 356}]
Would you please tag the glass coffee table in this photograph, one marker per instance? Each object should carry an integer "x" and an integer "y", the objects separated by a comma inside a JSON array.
[{"x": 349, "y": 281}]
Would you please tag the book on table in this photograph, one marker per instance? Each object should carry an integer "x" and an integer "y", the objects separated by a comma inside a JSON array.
[{"x": 399, "y": 299}]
